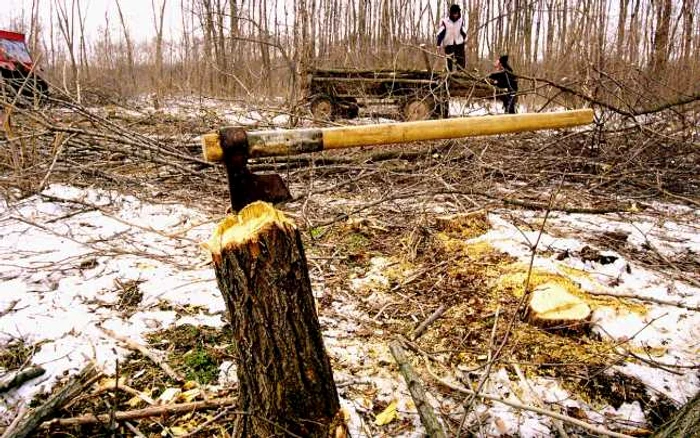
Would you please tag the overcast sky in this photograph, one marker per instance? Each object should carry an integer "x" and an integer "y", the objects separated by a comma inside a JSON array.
[{"x": 138, "y": 14}]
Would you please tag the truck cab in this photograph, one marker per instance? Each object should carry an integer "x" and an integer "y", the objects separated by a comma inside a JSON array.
[{"x": 17, "y": 70}]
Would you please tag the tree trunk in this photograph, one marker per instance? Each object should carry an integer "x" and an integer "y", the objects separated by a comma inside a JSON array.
[
  {"x": 685, "y": 423},
  {"x": 286, "y": 381},
  {"x": 661, "y": 36}
]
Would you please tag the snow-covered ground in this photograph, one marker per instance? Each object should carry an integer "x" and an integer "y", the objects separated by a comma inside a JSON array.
[
  {"x": 62, "y": 264},
  {"x": 671, "y": 331}
]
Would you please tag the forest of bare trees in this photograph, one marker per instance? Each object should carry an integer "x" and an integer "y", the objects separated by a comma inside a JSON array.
[
  {"x": 436, "y": 245},
  {"x": 613, "y": 49}
]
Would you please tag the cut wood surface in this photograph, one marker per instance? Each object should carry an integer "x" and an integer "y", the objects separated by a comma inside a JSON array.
[
  {"x": 284, "y": 373},
  {"x": 552, "y": 306}
]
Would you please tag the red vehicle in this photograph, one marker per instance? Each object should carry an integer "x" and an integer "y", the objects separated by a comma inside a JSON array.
[{"x": 17, "y": 68}]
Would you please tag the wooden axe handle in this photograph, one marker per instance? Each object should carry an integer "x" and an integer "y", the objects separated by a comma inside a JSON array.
[{"x": 297, "y": 141}]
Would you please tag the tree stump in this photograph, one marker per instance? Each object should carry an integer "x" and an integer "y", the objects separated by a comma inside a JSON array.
[
  {"x": 285, "y": 376},
  {"x": 552, "y": 307}
]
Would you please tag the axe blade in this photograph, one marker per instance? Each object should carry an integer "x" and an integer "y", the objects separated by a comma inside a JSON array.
[{"x": 246, "y": 187}]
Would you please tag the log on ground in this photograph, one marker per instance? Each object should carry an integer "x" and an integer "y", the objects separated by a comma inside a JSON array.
[{"x": 285, "y": 376}]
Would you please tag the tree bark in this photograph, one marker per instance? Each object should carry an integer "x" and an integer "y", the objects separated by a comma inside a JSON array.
[
  {"x": 685, "y": 423},
  {"x": 34, "y": 418},
  {"x": 433, "y": 428},
  {"x": 285, "y": 376}
]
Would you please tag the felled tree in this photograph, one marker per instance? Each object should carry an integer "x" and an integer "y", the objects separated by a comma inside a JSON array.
[{"x": 285, "y": 376}]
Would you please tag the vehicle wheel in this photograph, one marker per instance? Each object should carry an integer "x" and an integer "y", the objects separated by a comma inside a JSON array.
[
  {"x": 418, "y": 108},
  {"x": 322, "y": 107},
  {"x": 348, "y": 108},
  {"x": 443, "y": 109}
]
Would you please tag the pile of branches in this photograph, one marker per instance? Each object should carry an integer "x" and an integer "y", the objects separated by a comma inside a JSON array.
[
  {"x": 64, "y": 141},
  {"x": 622, "y": 156}
]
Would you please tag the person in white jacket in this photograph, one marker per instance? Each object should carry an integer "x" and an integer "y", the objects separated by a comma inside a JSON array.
[{"x": 451, "y": 36}]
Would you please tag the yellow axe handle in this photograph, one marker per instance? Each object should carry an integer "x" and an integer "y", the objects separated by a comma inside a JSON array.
[{"x": 295, "y": 141}]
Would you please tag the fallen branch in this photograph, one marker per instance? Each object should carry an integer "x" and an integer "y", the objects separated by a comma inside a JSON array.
[
  {"x": 507, "y": 201},
  {"x": 425, "y": 324},
  {"x": 647, "y": 299},
  {"x": 17, "y": 378},
  {"x": 152, "y": 411},
  {"x": 565, "y": 418},
  {"x": 9, "y": 308},
  {"x": 35, "y": 417},
  {"x": 425, "y": 411},
  {"x": 147, "y": 353}
]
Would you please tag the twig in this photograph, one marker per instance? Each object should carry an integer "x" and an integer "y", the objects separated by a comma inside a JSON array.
[
  {"x": 425, "y": 411},
  {"x": 59, "y": 149},
  {"x": 204, "y": 425},
  {"x": 526, "y": 387},
  {"x": 647, "y": 299},
  {"x": 9, "y": 308},
  {"x": 425, "y": 324},
  {"x": 484, "y": 377},
  {"x": 21, "y": 412},
  {"x": 134, "y": 430},
  {"x": 74, "y": 387},
  {"x": 146, "y": 352},
  {"x": 548, "y": 413},
  {"x": 17, "y": 378},
  {"x": 152, "y": 411}
]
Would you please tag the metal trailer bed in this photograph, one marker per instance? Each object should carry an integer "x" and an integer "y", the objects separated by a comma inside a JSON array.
[{"x": 418, "y": 94}]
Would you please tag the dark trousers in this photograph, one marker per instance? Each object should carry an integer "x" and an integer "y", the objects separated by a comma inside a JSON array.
[
  {"x": 509, "y": 101},
  {"x": 456, "y": 52}
]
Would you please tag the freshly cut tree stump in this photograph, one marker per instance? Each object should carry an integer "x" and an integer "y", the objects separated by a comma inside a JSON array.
[
  {"x": 286, "y": 381},
  {"x": 553, "y": 307}
]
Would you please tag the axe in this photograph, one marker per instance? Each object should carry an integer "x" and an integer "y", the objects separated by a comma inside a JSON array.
[{"x": 234, "y": 145}]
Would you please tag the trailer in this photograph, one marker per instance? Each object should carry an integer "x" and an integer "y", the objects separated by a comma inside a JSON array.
[
  {"x": 417, "y": 94},
  {"x": 18, "y": 74}
]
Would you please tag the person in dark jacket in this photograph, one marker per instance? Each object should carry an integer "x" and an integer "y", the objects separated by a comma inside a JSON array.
[
  {"x": 504, "y": 77},
  {"x": 451, "y": 36}
]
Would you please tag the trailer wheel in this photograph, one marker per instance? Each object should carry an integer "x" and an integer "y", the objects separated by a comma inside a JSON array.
[
  {"x": 418, "y": 108},
  {"x": 442, "y": 110},
  {"x": 323, "y": 108},
  {"x": 348, "y": 108}
]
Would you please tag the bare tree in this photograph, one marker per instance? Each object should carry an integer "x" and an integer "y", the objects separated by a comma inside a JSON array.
[
  {"x": 158, "y": 19},
  {"x": 65, "y": 16},
  {"x": 129, "y": 45}
]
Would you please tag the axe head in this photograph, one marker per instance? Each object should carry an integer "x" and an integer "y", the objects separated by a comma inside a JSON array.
[{"x": 244, "y": 186}]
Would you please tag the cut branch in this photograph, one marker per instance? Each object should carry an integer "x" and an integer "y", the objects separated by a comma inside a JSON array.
[
  {"x": 433, "y": 428},
  {"x": 34, "y": 418},
  {"x": 146, "y": 352},
  {"x": 152, "y": 411}
]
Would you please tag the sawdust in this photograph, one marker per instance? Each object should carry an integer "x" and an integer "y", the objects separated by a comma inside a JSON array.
[
  {"x": 514, "y": 276},
  {"x": 465, "y": 226},
  {"x": 492, "y": 280}
]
